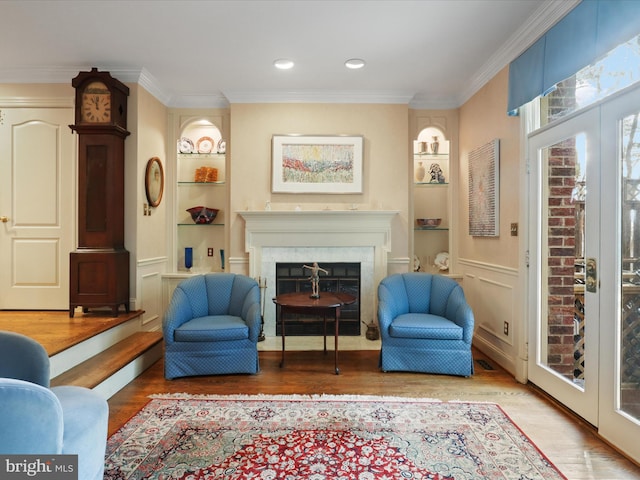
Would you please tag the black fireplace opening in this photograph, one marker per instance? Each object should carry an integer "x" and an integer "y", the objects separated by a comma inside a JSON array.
[{"x": 341, "y": 277}]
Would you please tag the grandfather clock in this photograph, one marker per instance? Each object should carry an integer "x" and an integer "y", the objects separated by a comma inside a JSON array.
[{"x": 99, "y": 268}]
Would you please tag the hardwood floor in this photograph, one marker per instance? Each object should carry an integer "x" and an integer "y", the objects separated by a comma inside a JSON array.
[
  {"x": 572, "y": 445},
  {"x": 569, "y": 443}
]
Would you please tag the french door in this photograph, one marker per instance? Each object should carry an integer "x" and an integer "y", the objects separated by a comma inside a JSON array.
[
  {"x": 619, "y": 401},
  {"x": 584, "y": 243},
  {"x": 565, "y": 184}
]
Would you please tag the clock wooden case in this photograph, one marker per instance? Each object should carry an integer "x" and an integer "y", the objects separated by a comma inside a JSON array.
[{"x": 99, "y": 267}]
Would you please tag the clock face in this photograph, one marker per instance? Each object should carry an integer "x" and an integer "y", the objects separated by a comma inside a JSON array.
[{"x": 96, "y": 103}]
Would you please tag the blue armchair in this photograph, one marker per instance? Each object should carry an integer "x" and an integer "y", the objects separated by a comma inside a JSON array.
[
  {"x": 426, "y": 325},
  {"x": 38, "y": 420},
  {"x": 212, "y": 326}
]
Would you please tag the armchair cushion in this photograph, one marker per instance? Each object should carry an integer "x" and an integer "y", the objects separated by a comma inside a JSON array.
[
  {"x": 426, "y": 325},
  {"x": 212, "y": 326}
]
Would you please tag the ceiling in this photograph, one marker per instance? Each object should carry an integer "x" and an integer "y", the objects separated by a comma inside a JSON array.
[{"x": 426, "y": 53}]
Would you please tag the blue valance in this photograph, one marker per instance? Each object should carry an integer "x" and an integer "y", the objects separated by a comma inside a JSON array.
[{"x": 590, "y": 30}]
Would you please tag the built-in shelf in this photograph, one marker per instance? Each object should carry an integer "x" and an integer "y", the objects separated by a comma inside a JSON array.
[
  {"x": 431, "y": 194},
  {"x": 201, "y": 224},
  {"x": 202, "y": 184},
  {"x": 201, "y": 180},
  {"x": 444, "y": 156}
]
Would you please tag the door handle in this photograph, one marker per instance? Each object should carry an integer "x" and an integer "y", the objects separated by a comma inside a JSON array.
[
  {"x": 4, "y": 219},
  {"x": 592, "y": 275}
]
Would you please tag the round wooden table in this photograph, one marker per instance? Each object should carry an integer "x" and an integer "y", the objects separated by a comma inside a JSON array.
[{"x": 303, "y": 303}]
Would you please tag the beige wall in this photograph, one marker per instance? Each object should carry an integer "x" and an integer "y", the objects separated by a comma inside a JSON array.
[
  {"x": 20, "y": 92},
  {"x": 491, "y": 266},
  {"x": 386, "y": 175},
  {"x": 482, "y": 119},
  {"x": 149, "y": 141}
]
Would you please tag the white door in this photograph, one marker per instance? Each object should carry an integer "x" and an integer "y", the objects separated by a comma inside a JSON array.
[
  {"x": 564, "y": 258},
  {"x": 584, "y": 343},
  {"x": 620, "y": 274},
  {"x": 37, "y": 191}
]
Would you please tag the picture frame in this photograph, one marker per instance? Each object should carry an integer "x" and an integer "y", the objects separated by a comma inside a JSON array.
[
  {"x": 154, "y": 181},
  {"x": 323, "y": 164},
  {"x": 484, "y": 190}
]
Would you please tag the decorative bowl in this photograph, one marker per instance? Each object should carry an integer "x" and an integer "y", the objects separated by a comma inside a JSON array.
[
  {"x": 203, "y": 215},
  {"x": 428, "y": 222}
]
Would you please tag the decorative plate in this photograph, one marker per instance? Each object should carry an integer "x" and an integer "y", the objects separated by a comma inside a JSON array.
[
  {"x": 222, "y": 146},
  {"x": 185, "y": 145},
  {"x": 205, "y": 145},
  {"x": 442, "y": 261}
]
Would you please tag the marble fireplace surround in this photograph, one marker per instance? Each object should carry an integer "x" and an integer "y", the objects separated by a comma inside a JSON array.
[{"x": 359, "y": 236}]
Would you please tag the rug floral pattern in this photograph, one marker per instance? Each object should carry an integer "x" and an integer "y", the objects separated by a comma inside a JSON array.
[{"x": 322, "y": 438}]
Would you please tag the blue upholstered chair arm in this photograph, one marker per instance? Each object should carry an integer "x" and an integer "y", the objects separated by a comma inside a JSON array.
[
  {"x": 178, "y": 312},
  {"x": 459, "y": 312},
  {"x": 31, "y": 420},
  {"x": 388, "y": 306},
  {"x": 464, "y": 318},
  {"x": 254, "y": 320}
]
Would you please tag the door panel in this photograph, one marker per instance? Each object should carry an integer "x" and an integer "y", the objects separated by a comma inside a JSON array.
[
  {"x": 565, "y": 185},
  {"x": 37, "y": 158},
  {"x": 620, "y": 239}
]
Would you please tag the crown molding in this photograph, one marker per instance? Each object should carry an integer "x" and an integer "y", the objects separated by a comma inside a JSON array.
[
  {"x": 319, "y": 96},
  {"x": 37, "y": 102},
  {"x": 151, "y": 85},
  {"x": 198, "y": 101},
  {"x": 39, "y": 74},
  {"x": 545, "y": 17},
  {"x": 422, "y": 102}
]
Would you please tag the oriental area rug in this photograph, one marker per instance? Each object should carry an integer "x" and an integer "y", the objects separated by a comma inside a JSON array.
[{"x": 192, "y": 437}]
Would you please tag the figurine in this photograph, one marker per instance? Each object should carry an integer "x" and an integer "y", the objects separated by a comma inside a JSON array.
[
  {"x": 437, "y": 175},
  {"x": 315, "y": 278}
]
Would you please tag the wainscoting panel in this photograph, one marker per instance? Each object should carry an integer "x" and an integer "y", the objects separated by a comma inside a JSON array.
[
  {"x": 492, "y": 292},
  {"x": 150, "y": 292}
]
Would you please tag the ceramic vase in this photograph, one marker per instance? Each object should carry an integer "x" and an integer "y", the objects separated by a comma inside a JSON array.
[
  {"x": 435, "y": 145},
  {"x": 420, "y": 172}
]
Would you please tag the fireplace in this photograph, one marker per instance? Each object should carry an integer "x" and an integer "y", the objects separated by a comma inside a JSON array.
[
  {"x": 327, "y": 236},
  {"x": 340, "y": 277}
]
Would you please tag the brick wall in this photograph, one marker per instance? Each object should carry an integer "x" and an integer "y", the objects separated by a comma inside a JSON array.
[{"x": 561, "y": 236}]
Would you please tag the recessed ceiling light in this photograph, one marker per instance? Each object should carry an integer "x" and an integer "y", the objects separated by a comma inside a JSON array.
[
  {"x": 283, "y": 63},
  {"x": 354, "y": 63}
]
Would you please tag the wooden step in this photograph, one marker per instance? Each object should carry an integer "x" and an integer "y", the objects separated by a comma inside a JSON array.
[{"x": 95, "y": 370}]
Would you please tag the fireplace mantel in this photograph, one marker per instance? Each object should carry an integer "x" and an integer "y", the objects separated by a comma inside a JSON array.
[
  {"x": 323, "y": 235},
  {"x": 320, "y": 228},
  {"x": 272, "y": 227},
  {"x": 301, "y": 220}
]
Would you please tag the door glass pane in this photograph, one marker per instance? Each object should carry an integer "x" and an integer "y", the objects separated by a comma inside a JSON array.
[
  {"x": 629, "y": 340},
  {"x": 565, "y": 275}
]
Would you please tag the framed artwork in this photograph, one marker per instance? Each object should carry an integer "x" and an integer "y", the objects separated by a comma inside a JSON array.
[
  {"x": 154, "y": 181},
  {"x": 484, "y": 190},
  {"x": 317, "y": 164}
]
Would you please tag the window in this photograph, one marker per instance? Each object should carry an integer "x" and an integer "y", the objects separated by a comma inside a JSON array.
[{"x": 615, "y": 71}]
